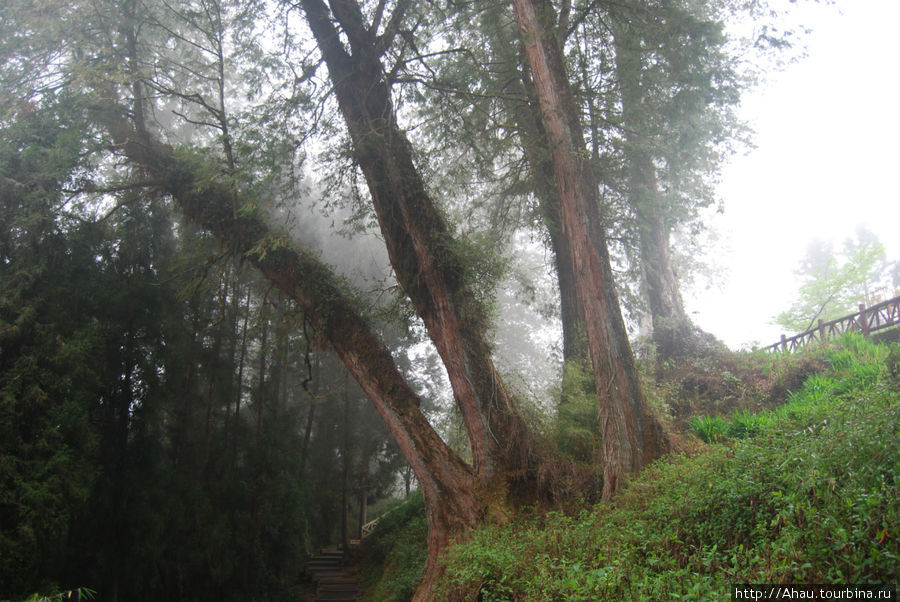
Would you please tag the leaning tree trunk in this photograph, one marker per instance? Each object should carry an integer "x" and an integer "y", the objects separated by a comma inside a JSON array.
[
  {"x": 631, "y": 435},
  {"x": 453, "y": 501},
  {"x": 672, "y": 330},
  {"x": 446, "y": 481},
  {"x": 420, "y": 246}
]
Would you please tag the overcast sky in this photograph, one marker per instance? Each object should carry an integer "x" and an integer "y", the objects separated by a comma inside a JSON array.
[{"x": 826, "y": 160}]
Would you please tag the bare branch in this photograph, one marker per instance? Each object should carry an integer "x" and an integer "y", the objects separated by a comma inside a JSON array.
[
  {"x": 92, "y": 188},
  {"x": 379, "y": 15},
  {"x": 582, "y": 15},
  {"x": 211, "y": 124},
  {"x": 385, "y": 40}
]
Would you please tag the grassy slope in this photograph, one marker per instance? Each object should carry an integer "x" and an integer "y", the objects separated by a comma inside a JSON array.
[
  {"x": 809, "y": 494},
  {"x": 393, "y": 558}
]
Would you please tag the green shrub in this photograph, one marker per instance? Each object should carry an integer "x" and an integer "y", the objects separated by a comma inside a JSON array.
[
  {"x": 808, "y": 494},
  {"x": 577, "y": 430},
  {"x": 394, "y": 555},
  {"x": 710, "y": 428}
]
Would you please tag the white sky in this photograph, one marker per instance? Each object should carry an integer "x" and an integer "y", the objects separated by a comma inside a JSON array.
[{"x": 826, "y": 159}]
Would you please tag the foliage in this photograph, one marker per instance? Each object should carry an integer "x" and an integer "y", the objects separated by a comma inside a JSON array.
[
  {"x": 577, "y": 435},
  {"x": 807, "y": 494},
  {"x": 49, "y": 373},
  {"x": 149, "y": 431},
  {"x": 394, "y": 554},
  {"x": 718, "y": 383},
  {"x": 834, "y": 283}
]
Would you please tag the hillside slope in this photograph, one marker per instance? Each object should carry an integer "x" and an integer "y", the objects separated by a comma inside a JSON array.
[{"x": 805, "y": 493}]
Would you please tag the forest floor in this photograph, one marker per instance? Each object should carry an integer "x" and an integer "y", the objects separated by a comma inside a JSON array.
[{"x": 805, "y": 491}]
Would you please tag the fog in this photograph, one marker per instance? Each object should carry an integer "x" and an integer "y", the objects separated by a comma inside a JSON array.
[{"x": 824, "y": 162}]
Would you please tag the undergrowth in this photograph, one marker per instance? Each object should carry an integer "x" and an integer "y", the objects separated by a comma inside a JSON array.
[
  {"x": 722, "y": 383},
  {"x": 854, "y": 363},
  {"x": 803, "y": 493},
  {"x": 393, "y": 557}
]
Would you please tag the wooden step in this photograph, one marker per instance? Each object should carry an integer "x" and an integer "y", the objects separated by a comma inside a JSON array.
[
  {"x": 332, "y": 579},
  {"x": 325, "y": 564},
  {"x": 344, "y": 586},
  {"x": 325, "y": 575},
  {"x": 345, "y": 592}
]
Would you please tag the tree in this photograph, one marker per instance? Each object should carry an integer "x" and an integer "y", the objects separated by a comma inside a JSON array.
[
  {"x": 834, "y": 283},
  {"x": 123, "y": 463},
  {"x": 658, "y": 83},
  {"x": 49, "y": 373},
  {"x": 421, "y": 248},
  {"x": 631, "y": 435},
  {"x": 183, "y": 103},
  {"x": 644, "y": 97}
]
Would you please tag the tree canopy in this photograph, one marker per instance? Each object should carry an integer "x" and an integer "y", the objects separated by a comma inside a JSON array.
[{"x": 834, "y": 282}]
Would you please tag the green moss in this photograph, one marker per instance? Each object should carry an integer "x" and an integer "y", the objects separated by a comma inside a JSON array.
[{"x": 577, "y": 434}]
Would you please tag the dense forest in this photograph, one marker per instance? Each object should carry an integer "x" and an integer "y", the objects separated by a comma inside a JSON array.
[{"x": 264, "y": 265}]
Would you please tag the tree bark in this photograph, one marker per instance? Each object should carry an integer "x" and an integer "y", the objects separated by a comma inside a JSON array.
[
  {"x": 420, "y": 245},
  {"x": 210, "y": 388},
  {"x": 632, "y": 437},
  {"x": 310, "y": 416},
  {"x": 363, "y": 497},
  {"x": 261, "y": 373},
  {"x": 239, "y": 389},
  {"x": 534, "y": 138},
  {"x": 447, "y": 483},
  {"x": 672, "y": 329},
  {"x": 346, "y": 460}
]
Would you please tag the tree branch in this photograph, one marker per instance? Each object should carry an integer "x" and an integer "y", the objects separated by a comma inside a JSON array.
[{"x": 384, "y": 41}]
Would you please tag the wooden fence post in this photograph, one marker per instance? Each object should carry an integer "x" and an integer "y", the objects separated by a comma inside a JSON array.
[
  {"x": 821, "y": 330},
  {"x": 863, "y": 320},
  {"x": 784, "y": 343}
]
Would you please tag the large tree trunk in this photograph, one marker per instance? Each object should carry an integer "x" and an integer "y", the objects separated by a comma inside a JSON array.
[
  {"x": 453, "y": 501},
  {"x": 533, "y": 139},
  {"x": 419, "y": 243},
  {"x": 446, "y": 481},
  {"x": 672, "y": 330},
  {"x": 631, "y": 435}
]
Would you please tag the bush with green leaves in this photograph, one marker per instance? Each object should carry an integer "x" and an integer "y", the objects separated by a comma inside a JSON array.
[
  {"x": 393, "y": 557},
  {"x": 808, "y": 493}
]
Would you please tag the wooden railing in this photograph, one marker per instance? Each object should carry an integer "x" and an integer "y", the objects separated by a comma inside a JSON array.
[
  {"x": 369, "y": 527},
  {"x": 867, "y": 320}
]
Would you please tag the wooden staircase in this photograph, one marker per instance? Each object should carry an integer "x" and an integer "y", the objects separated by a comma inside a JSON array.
[{"x": 332, "y": 579}]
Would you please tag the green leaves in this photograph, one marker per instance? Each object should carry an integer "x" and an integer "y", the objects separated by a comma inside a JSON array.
[
  {"x": 48, "y": 367},
  {"x": 806, "y": 493},
  {"x": 834, "y": 282},
  {"x": 393, "y": 557}
]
